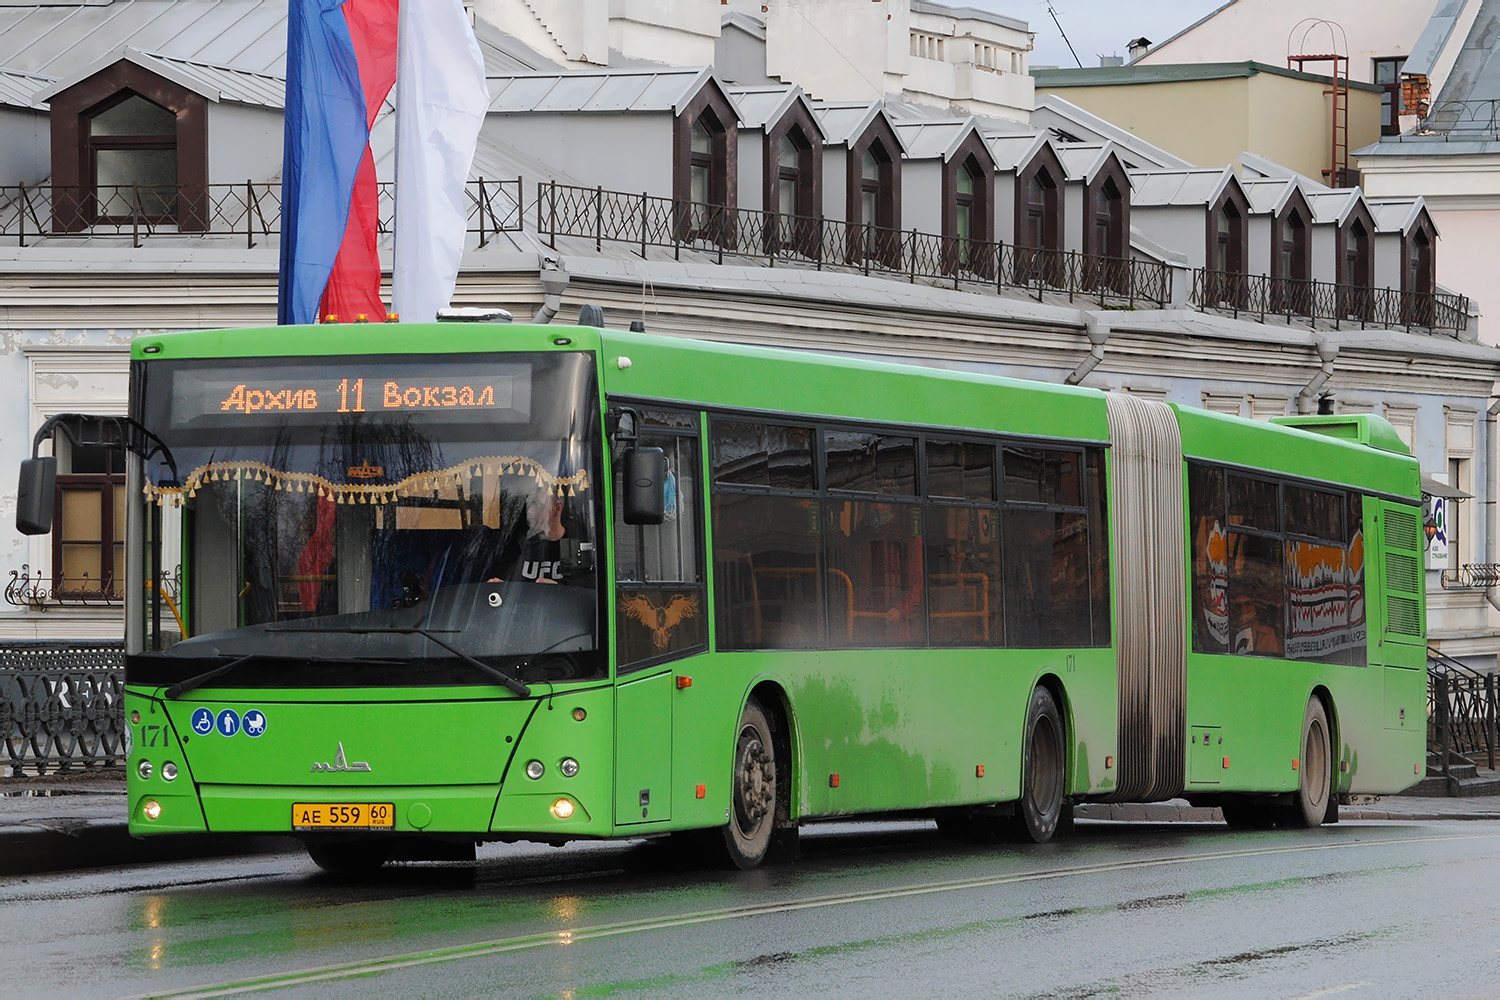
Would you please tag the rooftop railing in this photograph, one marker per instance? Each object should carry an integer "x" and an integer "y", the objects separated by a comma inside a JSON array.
[
  {"x": 746, "y": 236},
  {"x": 246, "y": 214},
  {"x": 1261, "y": 296}
]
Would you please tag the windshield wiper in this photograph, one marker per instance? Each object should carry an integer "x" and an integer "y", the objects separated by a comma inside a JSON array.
[
  {"x": 183, "y": 687},
  {"x": 504, "y": 680}
]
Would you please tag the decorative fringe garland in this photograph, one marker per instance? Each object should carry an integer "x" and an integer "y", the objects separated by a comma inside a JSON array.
[{"x": 417, "y": 484}]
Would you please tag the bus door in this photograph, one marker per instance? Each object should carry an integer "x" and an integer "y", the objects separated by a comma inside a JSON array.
[{"x": 660, "y": 615}]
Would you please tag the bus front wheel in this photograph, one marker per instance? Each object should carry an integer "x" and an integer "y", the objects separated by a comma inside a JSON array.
[
  {"x": 1042, "y": 802},
  {"x": 1309, "y": 806},
  {"x": 752, "y": 819}
]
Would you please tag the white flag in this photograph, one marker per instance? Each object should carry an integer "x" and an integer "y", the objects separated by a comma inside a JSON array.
[{"x": 441, "y": 100}]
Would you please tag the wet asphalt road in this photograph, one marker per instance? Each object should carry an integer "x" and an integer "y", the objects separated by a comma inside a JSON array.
[{"x": 1355, "y": 910}]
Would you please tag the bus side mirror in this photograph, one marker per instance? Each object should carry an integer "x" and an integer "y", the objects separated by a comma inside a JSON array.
[
  {"x": 645, "y": 486},
  {"x": 37, "y": 493}
]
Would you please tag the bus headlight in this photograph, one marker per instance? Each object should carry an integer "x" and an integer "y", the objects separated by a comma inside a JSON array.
[
  {"x": 143, "y": 769},
  {"x": 568, "y": 766},
  {"x": 535, "y": 769},
  {"x": 152, "y": 809},
  {"x": 562, "y": 808},
  {"x": 169, "y": 771}
]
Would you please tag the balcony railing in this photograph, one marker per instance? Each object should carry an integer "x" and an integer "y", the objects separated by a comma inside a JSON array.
[
  {"x": 644, "y": 222},
  {"x": 248, "y": 212},
  {"x": 1261, "y": 296}
]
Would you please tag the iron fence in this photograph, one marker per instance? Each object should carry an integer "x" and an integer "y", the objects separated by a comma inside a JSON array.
[
  {"x": 1461, "y": 711},
  {"x": 1262, "y": 295},
  {"x": 646, "y": 222},
  {"x": 62, "y": 707},
  {"x": 248, "y": 212}
]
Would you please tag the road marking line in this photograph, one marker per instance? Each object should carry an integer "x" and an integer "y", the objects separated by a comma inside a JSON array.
[{"x": 569, "y": 937}]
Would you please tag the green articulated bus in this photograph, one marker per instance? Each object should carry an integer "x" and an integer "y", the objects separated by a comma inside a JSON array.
[{"x": 400, "y": 589}]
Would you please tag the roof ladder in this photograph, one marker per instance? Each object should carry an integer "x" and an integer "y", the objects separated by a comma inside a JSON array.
[{"x": 1337, "y": 174}]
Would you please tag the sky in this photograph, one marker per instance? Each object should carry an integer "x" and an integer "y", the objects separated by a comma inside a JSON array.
[{"x": 1096, "y": 27}]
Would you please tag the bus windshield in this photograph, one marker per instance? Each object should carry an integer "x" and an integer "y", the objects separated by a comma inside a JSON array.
[{"x": 366, "y": 520}]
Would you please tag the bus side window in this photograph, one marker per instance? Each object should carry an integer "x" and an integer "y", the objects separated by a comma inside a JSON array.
[{"x": 660, "y": 608}]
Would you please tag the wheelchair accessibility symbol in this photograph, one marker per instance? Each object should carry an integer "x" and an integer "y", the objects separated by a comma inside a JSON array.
[{"x": 203, "y": 722}]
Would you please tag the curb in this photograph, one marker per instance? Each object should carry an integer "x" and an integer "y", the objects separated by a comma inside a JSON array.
[{"x": 1170, "y": 812}]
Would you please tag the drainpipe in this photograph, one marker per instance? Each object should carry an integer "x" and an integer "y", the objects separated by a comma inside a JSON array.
[
  {"x": 1098, "y": 333},
  {"x": 1307, "y": 399},
  {"x": 554, "y": 278},
  {"x": 1491, "y": 512}
]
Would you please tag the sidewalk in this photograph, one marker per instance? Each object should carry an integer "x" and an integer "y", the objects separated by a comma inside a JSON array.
[
  {"x": 64, "y": 822},
  {"x": 59, "y": 823}
]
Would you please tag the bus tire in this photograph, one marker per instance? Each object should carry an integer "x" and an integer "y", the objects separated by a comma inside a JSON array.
[
  {"x": 349, "y": 858},
  {"x": 752, "y": 814},
  {"x": 1309, "y": 806},
  {"x": 1043, "y": 770}
]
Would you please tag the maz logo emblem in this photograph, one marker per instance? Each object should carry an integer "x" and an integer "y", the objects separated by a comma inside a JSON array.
[{"x": 339, "y": 764}]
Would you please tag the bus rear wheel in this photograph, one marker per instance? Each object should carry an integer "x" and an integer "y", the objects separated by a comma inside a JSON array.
[
  {"x": 752, "y": 820},
  {"x": 1043, "y": 771},
  {"x": 1309, "y": 806}
]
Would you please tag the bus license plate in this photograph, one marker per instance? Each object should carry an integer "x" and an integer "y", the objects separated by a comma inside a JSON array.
[{"x": 343, "y": 815}]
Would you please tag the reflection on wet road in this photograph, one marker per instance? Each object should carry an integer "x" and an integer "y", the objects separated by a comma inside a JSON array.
[{"x": 871, "y": 909}]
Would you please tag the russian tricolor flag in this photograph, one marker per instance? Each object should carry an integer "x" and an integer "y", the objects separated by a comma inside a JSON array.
[{"x": 341, "y": 64}]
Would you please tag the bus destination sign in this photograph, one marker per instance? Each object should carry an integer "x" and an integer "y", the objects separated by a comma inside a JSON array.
[{"x": 501, "y": 391}]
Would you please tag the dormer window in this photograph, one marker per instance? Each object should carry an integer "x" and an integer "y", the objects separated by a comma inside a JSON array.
[
  {"x": 1356, "y": 268},
  {"x": 1229, "y": 226},
  {"x": 873, "y": 205},
  {"x": 703, "y": 183},
  {"x": 129, "y": 146},
  {"x": 1419, "y": 274},
  {"x": 132, "y": 159},
  {"x": 1291, "y": 262},
  {"x": 968, "y": 213},
  {"x": 792, "y": 196}
]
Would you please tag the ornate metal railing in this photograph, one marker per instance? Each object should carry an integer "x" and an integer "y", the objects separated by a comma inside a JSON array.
[
  {"x": 1471, "y": 576},
  {"x": 1262, "y": 295},
  {"x": 62, "y": 707},
  {"x": 645, "y": 222},
  {"x": 35, "y": 592},
  {"x": 1461, "y": 710},
  {"x": 1469, "y": 119},
  {"x": 249, "y": 211}
]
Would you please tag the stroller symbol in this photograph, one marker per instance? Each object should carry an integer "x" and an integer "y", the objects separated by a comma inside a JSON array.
[{"x": 255, "y": 723}]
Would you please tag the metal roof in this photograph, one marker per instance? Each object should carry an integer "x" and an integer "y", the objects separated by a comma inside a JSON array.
[
  {"x": 1463, "y": 120},
  {"x": 1082, "y": 160},
  {"x": 1334, "y": 204},
  {"x": 933, "y": 139},
  {"x": 1012, "y": 152},
  {"x": 1071, "y": 124},
  {"x": 217, "y": 83},
  {"x": 605, "y": 90},
  {"x": 242, "y": 36},
  {"x": 1137, "y": 74},
  {"x": 761, "y": 107},
  {"x": 19, "y": 90},
  {"x": 57, "y": 41},
  {"x": 1152, "y": 188},
  {"x": 1269, "y": 195},
  {"x": 1397, "y": 215}
]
